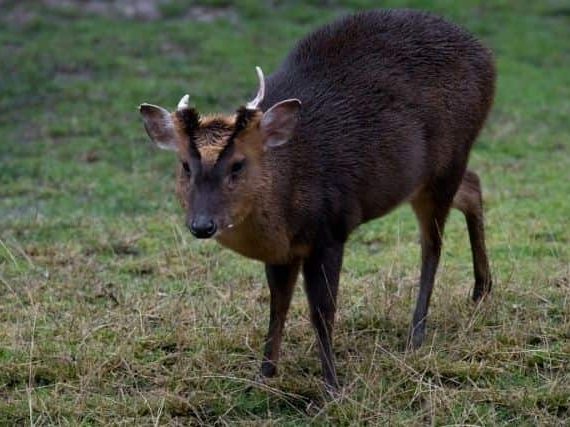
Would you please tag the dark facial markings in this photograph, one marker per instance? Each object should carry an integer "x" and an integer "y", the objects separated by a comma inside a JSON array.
[
  {"x": 186, "y": 168},
  {"x": 211, "y": 162},
  {"x": 190, "y": 120},
  {"x": 243, "y": 117}
]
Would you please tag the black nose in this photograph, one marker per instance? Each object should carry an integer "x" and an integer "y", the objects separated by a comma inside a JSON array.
[{"x": 203, "y": 228}]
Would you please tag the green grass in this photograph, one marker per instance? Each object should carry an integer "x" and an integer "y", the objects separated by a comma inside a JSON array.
[{"x": 110, "y": 313}]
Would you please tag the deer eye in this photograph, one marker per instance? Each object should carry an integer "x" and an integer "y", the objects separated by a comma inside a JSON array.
[{"x": 237, "y": 167}]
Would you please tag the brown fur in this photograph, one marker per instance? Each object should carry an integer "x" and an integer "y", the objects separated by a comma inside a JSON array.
[{"x": 392, "y": 102}]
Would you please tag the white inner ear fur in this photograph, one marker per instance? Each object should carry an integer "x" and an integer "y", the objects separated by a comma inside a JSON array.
[
  {"x": 159, "y": 126},
  {"x": 278, "y": 123}
]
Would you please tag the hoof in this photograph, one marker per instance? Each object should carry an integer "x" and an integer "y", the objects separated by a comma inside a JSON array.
[
  {"x": 268, "y": 369},
  {"x": 416, "y": 339},
  {"x": 332, "y": 390},
  {"x": 481, "y": 291},
  {"x": 332, "y": 386}
]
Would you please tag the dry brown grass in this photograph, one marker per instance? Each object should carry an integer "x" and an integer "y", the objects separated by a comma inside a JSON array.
[{"x": 110, "y": 314}]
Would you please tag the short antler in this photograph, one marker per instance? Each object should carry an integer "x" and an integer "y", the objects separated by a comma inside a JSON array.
[
  {"x": 253, "y": 104},
  {"x": 184, "y": 102}
]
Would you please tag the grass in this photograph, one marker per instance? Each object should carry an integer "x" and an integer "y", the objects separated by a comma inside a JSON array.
[{"x": 110, "y": 313}]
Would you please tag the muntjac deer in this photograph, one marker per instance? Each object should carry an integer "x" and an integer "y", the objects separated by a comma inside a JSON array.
[{"x": 364, "y": 114}]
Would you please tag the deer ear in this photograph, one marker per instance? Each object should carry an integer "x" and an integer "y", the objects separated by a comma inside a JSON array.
[
  {"x": 159, "y": 126},
  {"x": 278, "y": 123}
]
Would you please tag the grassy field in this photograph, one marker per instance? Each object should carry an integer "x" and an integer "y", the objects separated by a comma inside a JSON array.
[{"x": 111, "y": 313}]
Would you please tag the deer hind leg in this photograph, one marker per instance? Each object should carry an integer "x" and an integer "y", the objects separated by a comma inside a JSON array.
[
  {"x": 469, "y": 201},
  {"x": 431, "y": 208}
]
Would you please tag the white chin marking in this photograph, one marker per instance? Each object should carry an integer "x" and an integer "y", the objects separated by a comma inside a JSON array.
[{"x": 231, "y": 226}]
